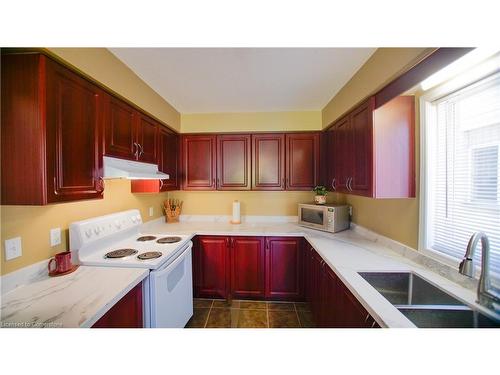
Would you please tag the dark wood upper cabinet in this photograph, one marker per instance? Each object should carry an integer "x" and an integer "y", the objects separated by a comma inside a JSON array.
[
  {"x": 169, "y": 158},
  {"x": 268, "y": 166},
  {"x": 372, "y": 150},
  {"x": 284, "y": 271},
  {"x": 247, "y": 267},
  {"x": 120, "y": 130},
  {"x": 129, "y": 133},
  {"x": 74, "y": 154},
  {"x": 168, "y": 162},
  {"x": 51, "y": 133},
  {"x": 361, "y": 124},
  {"x": 302, "y": 164},
  {"x": 233, "y": 162},
  {"x": 198, "y": 162},
  {"x": 147, "y": 139}
]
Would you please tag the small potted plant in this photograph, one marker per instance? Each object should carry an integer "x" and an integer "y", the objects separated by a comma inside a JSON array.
[{"x": 320, "y": 197}]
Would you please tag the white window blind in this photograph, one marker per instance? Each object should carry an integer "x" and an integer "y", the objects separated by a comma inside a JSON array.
[{"x": 463, "y": 186}]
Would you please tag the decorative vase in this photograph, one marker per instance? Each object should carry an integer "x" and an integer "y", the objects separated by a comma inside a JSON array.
[{"x": 320, "y": 199}]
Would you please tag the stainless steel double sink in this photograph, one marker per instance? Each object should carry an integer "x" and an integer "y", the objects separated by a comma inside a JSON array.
[{"x": 426, "y": 305}]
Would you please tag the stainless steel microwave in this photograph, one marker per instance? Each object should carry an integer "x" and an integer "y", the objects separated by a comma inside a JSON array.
[{"x": 328, "y": 217}]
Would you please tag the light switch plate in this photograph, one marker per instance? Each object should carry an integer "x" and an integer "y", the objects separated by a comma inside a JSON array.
[
  {"x": 151, "y": 211},
  {"x": 55, "y": 236},
  {"x": 13, "y": 248}
]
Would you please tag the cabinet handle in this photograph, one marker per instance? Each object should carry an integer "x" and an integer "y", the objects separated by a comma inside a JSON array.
[
  {"x": 55, "y": 186},
  {"x": 373, "y": 324},
  {"x": 142, "y": 150},
  {"x": 161, "y": 184},
  {"x": 136, "y": 150},
  {"x": 283, "y": 182},
  {"x": 213, "y": 182},
  {"x": 367, "y": 317},
  {"x": 350, "y": 184},
  {"x": 101, "y": 185},
  {"x": 218, "y": 182},
  {"x": 232, "y": 242},
  {"x": 333, "y": 184}
]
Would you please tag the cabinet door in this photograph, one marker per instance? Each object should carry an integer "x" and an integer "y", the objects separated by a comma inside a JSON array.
[
  {"x": 233, "y": 162},
  {"x": 212, "y": 270},
  {"x": 147, "y": 132},
  {"x": 247, "y": 267},
  {"x": 120, "y": 130},
  {"x": 316, "y": 295},
  {"x": 302, "y": 161},
  {"x": 198, "y": 164},
  {"x": 342, "y": 162},
  {"x": 74, "y": 136},
  {"x": 362, "y": 135},
  {"x": 330, "y": 156},
  {"x": 330, "y": 318},
  {"x": 284, "y": 268},
  {"x": 126, "y": 313},
  {"x": 268, "y": 166},
  {"x": 168, "y": 158}
]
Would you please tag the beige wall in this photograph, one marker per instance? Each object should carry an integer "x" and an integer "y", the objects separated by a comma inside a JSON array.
[
  {"x": 267, "y": 203},
  {"x": 33, "y": 223},
  {"x": 394, "y": 218},
  {"x": 101, "y": 65},
  {"x": 248, "y": 121},
  {"x": 381, "y": 68}
]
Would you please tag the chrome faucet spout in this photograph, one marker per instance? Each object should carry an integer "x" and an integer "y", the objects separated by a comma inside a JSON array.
[{"x": 485, "y": 294}]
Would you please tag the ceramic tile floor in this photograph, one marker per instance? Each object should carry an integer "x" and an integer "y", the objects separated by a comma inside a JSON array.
[{"x": 213, "y": 313}]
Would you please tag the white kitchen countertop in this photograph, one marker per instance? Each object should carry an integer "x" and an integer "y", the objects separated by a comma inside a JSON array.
[
  {"x": 347, "y": 253},
  {"x": 75, "y": 300}
]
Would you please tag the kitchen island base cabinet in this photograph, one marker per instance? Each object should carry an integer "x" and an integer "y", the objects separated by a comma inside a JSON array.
[{"x": 126, "y": 313}]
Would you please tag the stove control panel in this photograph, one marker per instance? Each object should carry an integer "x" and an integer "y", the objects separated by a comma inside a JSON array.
[{"x": 86, "y": 231}]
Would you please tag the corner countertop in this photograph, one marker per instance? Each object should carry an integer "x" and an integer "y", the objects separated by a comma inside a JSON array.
[
  {"x": 75, "y": 300},
  {"x": 347, "y": 253}
]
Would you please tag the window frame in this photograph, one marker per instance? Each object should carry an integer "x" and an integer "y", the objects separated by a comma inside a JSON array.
[{"x": 427, "y": 113}]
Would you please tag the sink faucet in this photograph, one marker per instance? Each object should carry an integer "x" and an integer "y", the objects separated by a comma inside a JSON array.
[{"x": 486, "y": 295}]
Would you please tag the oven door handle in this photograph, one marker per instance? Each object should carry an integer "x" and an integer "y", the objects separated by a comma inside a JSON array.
[{"x": 174, "y": 264}]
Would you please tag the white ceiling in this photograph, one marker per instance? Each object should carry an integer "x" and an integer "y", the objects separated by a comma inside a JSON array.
[{"x": 204, "y": 80}]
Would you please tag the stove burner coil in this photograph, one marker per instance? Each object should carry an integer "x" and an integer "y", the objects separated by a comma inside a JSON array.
[
  {"x": 120, "y": 253},
  {"x": 165, "y": 240},
  {"x": 146, "y": 238},
  {"x": 149, "y": 255}
]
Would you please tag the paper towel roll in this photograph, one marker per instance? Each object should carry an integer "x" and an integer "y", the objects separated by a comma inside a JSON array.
[{"x": 236, "y": 213}]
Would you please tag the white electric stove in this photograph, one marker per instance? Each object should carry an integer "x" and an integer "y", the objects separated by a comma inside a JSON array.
[{"x": 116, "y": 241}]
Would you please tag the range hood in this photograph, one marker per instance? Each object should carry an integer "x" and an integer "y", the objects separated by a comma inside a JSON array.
[{"x": 132, "y": 170}]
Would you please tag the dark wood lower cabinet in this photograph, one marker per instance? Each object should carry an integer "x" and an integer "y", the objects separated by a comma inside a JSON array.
[
  {"x": 247, "y": 267},
  {"x": 211, "y": 266},
  {"x": 275, "y": 268},
  {"x": 126, "y": 313},
  {"x": 332, "y": 303},
  {"x": 284, "y": 268}
]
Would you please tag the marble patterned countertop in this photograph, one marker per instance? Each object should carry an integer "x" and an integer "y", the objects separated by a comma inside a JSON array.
[
  {"x": 347, "y": 253},
  {"x": 75, "y": 300},
  {"x": 31, "y": 299}
]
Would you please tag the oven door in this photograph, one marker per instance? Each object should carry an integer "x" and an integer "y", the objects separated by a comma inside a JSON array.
[
  {"x": 171, "y": 293},
  {"x": 312, "y": 216}
]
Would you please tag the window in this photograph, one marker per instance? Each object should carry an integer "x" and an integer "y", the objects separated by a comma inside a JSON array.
[{"x": 460, "y": 192}]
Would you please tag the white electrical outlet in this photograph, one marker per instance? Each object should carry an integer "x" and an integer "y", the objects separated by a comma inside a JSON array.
[
  {"x": 55, "y": 236},
  {"x": 13, "y": 248},
  {"x": 151, "y": 211}
]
